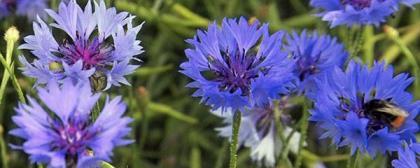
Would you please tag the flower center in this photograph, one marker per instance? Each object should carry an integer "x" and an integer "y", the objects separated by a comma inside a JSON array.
[
  {"x": 357, "y": 4},
  {"x": 10, "y": 4},
  {"x": 92, "y": 53},
  {"x": 72, "y": 137},
  {"x": 306, "y": 67},
  {"x": 236, "y": 72}
]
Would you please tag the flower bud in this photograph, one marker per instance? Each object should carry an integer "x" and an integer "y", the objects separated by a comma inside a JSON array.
[
  {"x": 391, "y": 32},
  {"x": 12, "y": 34}
]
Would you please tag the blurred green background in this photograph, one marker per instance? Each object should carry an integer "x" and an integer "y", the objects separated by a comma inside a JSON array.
[{"x": 171, "y": 129}]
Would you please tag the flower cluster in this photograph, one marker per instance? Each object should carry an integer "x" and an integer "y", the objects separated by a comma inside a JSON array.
[
  {"x": 99, "y": 46},
  {"x": 355, "y": 108},
  {"x": 28, "y": 8},
  {"x": 358, "y": 12},
  {"x": 62, "y": 129},
  {"x": 240, "y": 67}
]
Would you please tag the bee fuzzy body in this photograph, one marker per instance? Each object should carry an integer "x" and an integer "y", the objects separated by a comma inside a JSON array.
[{"x": 385, "y": 111}]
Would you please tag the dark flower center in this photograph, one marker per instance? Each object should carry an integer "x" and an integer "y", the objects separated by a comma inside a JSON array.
[
  {"x": 72, "y": 137},
  {"x": 357, "y": 4},
  {"x": 92, "y": 53},
  {"x": 306, "y": 67},
  {"x": 10, "y": 4},
  {"x": 235, "y": 72}
]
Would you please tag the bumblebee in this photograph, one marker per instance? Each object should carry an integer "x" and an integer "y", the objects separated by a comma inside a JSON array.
[
  {"x": 98, "y": 81},
  {"x": 386, "y": 111}
]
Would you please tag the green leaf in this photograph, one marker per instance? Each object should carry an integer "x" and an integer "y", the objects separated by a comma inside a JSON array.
[{"x": 165, "y": 109}]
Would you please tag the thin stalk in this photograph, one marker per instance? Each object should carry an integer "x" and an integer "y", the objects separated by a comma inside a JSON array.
[
  {"x": 369, "y": 45},
  {"x": 222, "y": 153},
  {"x": 285, "y": 151},
  {"x": 5, "y": 80},
  {"x": 234, "y": 141},
  {"x": 356, "y": 160},
  {"x": 303, "y": 131},
  {"x": 3, "y": 151},
  {"x": 357, "y": 43},
  {"x": 279, "y": 129},
  {"x": 9, "y": 53},
  {"x": 412, "y": 60},
  {"x": 350, "y": 161},
  {"x": 394, "y": 35},
  {"x": 15, "y": 82}
]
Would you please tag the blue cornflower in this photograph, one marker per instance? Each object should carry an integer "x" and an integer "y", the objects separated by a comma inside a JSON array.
[
  {"x": 258, "y": 131},
  {"x": 28, "y": 8},
  {"x": 314, "y": 55},
  {"x": 407, "y": 157},
  {"x": 60, "y": 131},
  {"x": 100, "y": 46},
  {"x": 351, "y": 107},
  {"x": 238, "y": 65},
  {"x": 358, "y": 12}
]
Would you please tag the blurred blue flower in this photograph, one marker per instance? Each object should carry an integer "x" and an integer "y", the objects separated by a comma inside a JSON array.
[
  {"x": 258, "y": 132},
  {"x": 315, "y": 55},
  {"x": 358, "y": 12},
  {"x": 100, "y": 46},
  {"x": 238, "y": 65},
  {"x": 348, "y": 103},
  {"x": 60, "y": 131},
  {"x": 407, "y": 157},
  {"x": 28, "y": 8}
]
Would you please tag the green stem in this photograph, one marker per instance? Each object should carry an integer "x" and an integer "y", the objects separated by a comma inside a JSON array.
[
  {"x": 285, "y": 151},
  {"x": 303, "y": 131},
  {"x": 3, "y": 150},
  {"x": 356, "y": 160},
  {"x": 5, "y": 80},
  {"x": 222, "y": 153},
  {"x": 234, "y": 141},
  {"x": 411, "y": 58},
  {"x": 369, "y": 45},
  {"x": 15, "y": 82},
  {"x": 357, "y": 43},
  {"x": 350, "y": 161},
  {"x": 6, "y": 74},
  {"x": 280, "y": 129}
]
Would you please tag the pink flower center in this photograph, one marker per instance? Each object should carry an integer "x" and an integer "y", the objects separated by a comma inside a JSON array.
[
  {"x": 92, "y": 53},
  {"x": 72, "y": 137}
]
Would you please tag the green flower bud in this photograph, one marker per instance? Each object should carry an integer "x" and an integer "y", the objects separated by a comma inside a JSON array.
[{"x": 12, "y": 34}]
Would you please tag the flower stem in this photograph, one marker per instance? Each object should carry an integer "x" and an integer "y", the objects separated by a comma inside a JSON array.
[
  {"x": 303, "y": 131},
  {"x": 3, "y": 149},
  {"x": 15, "y": 82},
  {"x": 280, "y": 129},
  {"x": 234, "y": 141},
  {"x": 11, "y": 36},
  {"x": 357, "y": 42},
  {"x": 351, "y": 160},
  {"x": 369, "y": 45},
  {"x": 411, "y": 58}
]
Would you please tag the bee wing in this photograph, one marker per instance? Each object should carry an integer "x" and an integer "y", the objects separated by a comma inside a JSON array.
[{"x": 393, "y": 110}]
